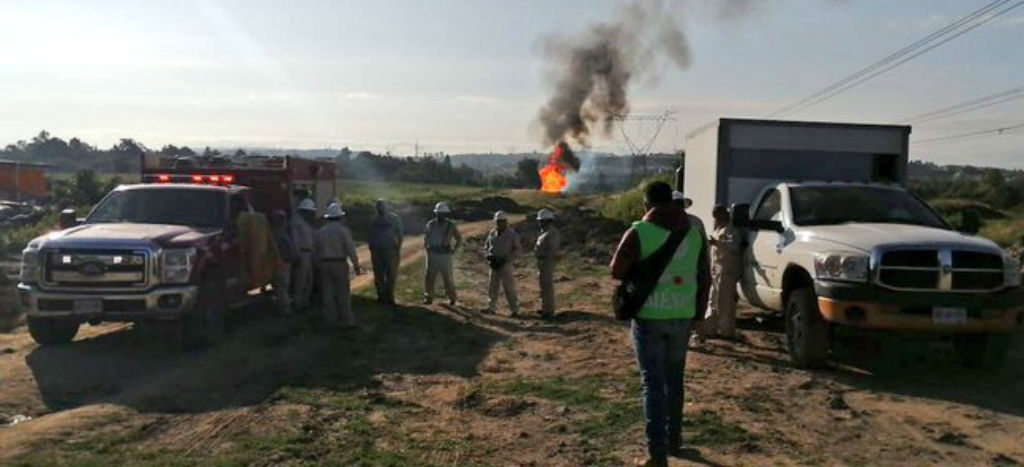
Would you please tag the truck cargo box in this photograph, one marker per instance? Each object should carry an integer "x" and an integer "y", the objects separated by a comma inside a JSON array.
[{"x": 731, "y": 160}]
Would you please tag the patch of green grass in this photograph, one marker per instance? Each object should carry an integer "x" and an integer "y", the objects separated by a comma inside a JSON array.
[
  {"x": 709, "y": 429},
  {"x": 322, "y": 398},
  {"x": 366, "y": 192},
  {"x": 628, "y": 205},
  {"x": 582, "y": 393},
  {"x": 1005, "y": 232}
]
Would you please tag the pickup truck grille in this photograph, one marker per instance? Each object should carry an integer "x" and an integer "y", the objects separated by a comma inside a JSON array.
[
  {"x": 92, "y": 269},
  {"x": 940, "y": 269}
]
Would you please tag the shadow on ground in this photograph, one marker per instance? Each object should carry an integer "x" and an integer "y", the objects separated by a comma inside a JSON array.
[
  {"x": 258, "y": 358},
  {"x": 909, "y": 364}
]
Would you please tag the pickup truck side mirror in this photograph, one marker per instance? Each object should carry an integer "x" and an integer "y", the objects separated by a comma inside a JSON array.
[
  {"x": 775, "y": 226},
  {"x": 69, "y": 218},
  {"x": 741, "y": 215}
]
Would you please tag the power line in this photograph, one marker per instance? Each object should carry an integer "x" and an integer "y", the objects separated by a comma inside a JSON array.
[
  {"x": 942, "y": 36},
  {"x": 968, "y": 106},
  {"x": 894, "y": 56},
  {"x": 997, "y": 131}
]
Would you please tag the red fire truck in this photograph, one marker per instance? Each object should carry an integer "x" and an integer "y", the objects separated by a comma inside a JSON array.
[{"x": 166, "y": 250}]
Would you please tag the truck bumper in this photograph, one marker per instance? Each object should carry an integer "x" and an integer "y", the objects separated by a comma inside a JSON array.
[
  {"x": 159, "y": 304},
  {"x": 872, "y": 307}
]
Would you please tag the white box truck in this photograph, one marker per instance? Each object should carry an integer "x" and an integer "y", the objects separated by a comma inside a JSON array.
[{"x": 833, "y": 238}]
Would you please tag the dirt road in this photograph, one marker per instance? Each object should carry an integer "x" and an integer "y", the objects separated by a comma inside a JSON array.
[{"x": 448, "y": 386}]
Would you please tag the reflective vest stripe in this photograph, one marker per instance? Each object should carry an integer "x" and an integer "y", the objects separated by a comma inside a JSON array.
[{"x": 675, "y": 296}]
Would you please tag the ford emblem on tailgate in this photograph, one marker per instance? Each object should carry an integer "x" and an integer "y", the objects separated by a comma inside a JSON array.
[{"x": 92, "y": 268}]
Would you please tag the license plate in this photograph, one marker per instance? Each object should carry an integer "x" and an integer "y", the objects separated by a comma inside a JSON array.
[
  {"x": 949, "y": 315},
  {"x": 87, "y": 306}
]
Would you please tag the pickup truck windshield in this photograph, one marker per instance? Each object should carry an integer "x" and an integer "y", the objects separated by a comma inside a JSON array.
[
  {"x": 828, "y": 205},
  {"x": 196, "y": 208}
]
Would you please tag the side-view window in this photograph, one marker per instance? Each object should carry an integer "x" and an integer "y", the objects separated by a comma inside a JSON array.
[{"x": 770, "y": 208}]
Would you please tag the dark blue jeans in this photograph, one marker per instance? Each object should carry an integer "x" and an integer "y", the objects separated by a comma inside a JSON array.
[{"x": 660, "y": 347}]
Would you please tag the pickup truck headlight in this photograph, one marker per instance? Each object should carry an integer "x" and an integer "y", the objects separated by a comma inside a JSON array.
[
  {"x": 841, "y": 267},
  {"x": 176, "y": 265},
  {"x": 29, "y": 266},
  {"x": 1011, "y": 271}
]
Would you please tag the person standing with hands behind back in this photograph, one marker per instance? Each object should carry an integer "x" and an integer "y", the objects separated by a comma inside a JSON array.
[
  {"x": 386, "y": 236},
  {"x": 725, "y": 272},
  {"x": 662, "y": 326},
  {"x": 546, "y": 251},
  {"x": 333, "y": 250}
]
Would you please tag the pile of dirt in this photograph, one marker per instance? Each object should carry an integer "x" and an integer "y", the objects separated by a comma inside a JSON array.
[
  {"x": 584, "y": 231},
  {"x": 484, "y": 208}
]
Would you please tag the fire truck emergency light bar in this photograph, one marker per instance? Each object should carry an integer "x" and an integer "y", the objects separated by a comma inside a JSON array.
[{"x": 198, "y": 179}]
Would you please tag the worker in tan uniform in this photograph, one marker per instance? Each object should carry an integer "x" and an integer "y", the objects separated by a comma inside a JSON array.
[
  {"x": 441, "y": 239},
  {"x": 546, "y": 251},
  {"x": 500, "y": 251},
  {"x": 333, "y": 249},
  {"x": 302, "y": 267},
  {"x": 725, "y": 272}
]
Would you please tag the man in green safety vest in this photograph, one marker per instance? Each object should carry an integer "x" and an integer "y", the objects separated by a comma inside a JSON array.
[{"x": 661, "y": 330}]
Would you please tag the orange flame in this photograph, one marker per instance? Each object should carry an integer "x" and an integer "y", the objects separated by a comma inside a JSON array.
[{"x": 552, "y": 175}]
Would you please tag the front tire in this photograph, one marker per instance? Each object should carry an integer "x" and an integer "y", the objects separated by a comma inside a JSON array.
[
  {"x": 204, "y": 324},
  {"x": 982, "y": 350},
  {"x": 807, "y": 333},
  {"x": 52, "y": 331}
]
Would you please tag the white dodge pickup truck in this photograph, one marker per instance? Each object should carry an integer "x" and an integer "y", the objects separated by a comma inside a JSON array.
[
  {"x": 833, "y": 237},
  {"x": 875, "y": 256}
]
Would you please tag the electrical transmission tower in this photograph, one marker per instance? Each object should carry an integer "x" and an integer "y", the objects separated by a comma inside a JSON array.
[{"x": 640, "y": 149}]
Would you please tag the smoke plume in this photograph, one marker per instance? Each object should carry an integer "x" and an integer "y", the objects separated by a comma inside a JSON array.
[{"x": 593, "y": 69}]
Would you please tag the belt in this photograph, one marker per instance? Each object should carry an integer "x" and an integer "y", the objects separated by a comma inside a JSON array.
[{"x": 333, "y": 260}]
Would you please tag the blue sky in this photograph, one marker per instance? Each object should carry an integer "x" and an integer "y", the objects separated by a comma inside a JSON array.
[{"x": 466, "y": 76}]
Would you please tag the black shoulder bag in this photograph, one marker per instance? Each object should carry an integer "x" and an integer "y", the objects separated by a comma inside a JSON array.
[{"x": 642, "y": 278}]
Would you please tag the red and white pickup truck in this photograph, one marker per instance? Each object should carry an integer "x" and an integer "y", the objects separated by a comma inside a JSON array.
[{"x": 165, "y": 250}]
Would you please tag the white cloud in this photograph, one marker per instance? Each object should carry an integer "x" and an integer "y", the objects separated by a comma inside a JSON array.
[
  {"x": 478, "y": 100},
  {"x": 362, "y": 96}
]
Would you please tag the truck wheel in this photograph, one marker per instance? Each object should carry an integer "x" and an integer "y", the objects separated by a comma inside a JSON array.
[
  {"x": 52, "y": 331},
  {"x": 204, "y": 324},
  {"x": 807, "y": 334},
  {"x": 982, "y": 350}
]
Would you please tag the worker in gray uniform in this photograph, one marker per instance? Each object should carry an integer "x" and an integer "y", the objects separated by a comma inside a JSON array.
[
  {"x": 440, "y": 239},
  {"x": 334, "y": 248},
  {"x": 546, "y": 251},
  {"x": 302, "y": 268},
  {"x": 385, "y": 241},
  {"x": 725, "y": 272},
  {"x": 500, "y": 251}
]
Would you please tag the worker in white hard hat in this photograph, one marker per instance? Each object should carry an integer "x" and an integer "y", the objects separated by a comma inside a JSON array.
[
  {"x": 334, "y": 249},
  {"x": 441, "y": 238},
  {"x": 302, "y": 232},
  {"x": 546, "y": 251},
  {"x": 500, "y": 251},
  {"x": 684, "y": 204}
]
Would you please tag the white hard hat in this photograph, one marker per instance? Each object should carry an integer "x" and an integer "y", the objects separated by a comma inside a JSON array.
[
  {"x": 678, "y": 196},
  {"x": 307, "y": 205},
  {"x": 334, "y": 211},
  {"x": 442, "y": 208},
  {"x": 500, "y": 216},
  {"x": 545, "y": 215}
]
